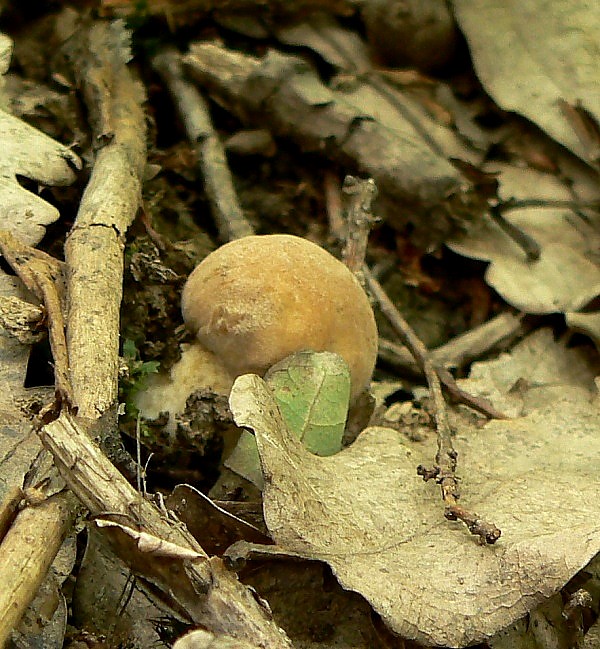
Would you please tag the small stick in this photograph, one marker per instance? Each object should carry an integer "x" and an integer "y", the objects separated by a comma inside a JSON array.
[
  {"x": 444, "y": 470},
  {"x": 335, "y": 211},
  {"x": 466, "y": 398},
  {"x": 460, "y": 350},
  {"x": 359, "y": 222},
  {"x": 199, "y": 587},
  {"x": 526, "y": 242},
  {"x": 110, "y": 201},
  {"x": 193, "y": 110},
  {"x": 43, "y": 276}
]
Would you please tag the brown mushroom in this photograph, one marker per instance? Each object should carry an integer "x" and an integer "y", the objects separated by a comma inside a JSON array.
[{"x": 256, "y": 300}]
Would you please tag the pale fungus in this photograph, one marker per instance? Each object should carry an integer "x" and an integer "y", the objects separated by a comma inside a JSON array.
[{"x": 256, "y": 300}]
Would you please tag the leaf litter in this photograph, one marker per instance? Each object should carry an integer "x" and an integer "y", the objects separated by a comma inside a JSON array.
[
  {"x": 539, "y": 59},
  {"x": 365, "y": 512}
]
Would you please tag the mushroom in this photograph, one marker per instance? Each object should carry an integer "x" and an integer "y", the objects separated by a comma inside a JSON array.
[{"x": 258, "y": 299}]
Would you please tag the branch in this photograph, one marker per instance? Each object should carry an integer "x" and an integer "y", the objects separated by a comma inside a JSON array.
[
  {"x": 210, "y": 154},
  {"x": 94, "y": 247},
  {"x": 197, "y": 587},
  {"x": 444, "y": 471}
]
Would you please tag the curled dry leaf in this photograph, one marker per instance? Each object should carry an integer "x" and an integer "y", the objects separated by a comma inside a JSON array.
[
  {"x": 28, "y": 152},
  {"x": 150, "y": 544},
  {"x": 365, "y": 512}
]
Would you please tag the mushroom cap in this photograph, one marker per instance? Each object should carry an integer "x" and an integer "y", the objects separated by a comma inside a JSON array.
[{"x": 256, "y": 300}]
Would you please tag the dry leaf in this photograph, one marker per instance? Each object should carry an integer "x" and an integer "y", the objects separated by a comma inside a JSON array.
[
  {"x": 365, "y": 512},
  {"x": 534, "y": 56},
  {"x": 566, "y": 276}
]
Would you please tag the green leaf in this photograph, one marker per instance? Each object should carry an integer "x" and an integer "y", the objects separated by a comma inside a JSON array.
[{"x": 312, "y": 391}]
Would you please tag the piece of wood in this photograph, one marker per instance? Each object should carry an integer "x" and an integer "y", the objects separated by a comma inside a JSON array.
[
  {"x": 210, "y": 154},
  {"x": 201, "y": 590},
  {"x": 94, "y": 247},
  {"x": 26, "y": 553}
]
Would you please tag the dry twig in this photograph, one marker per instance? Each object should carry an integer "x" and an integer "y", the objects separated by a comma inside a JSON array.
[
  {"x": 212, "y": 161},
  {"x": 43, "y": 276},
  {"x": 444, "y": 470},
  {"x": 195, "y": 586},
  {"x": 459, "y": 351},
  {"x": 26, "y": 553},
  {"x": 94, "y": 247}
]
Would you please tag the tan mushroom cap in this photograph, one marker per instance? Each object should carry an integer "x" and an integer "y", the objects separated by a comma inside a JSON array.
[{"x": 256, "y": 300}]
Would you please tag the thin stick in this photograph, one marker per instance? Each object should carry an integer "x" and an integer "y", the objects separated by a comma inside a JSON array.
[
  {"x": 444, "y": 470},
  {"x": 526, "y": 242},
  {"x": 335, "y": 211},
  {"x": 359, "y": 221},
  {"x": 359, "y": 224},
  {"x": 458, "y": 351},
  {"x": 212, "y": 161},
  {"x": 43, "y": 276}
]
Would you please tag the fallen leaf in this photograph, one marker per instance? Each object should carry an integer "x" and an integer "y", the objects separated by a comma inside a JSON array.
[
  {"x": 28, "y": 152},
  {"x": 534, "y": 56},
  {"x": 566, "y": 276},
  {"x": 312, "y": 390},
  {"x": 365, "y": 512},
  {"x": 586, "y": 323}
]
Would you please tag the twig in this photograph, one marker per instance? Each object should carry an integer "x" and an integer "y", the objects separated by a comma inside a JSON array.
[
  {"x": 525, "y": 203},
  {"x": 529, "y": 245},
  {"x": 459, "y": 395},
  {"x": 26, "y": 553},
  {"x": 458, "y": 351},
  {"x": 199, "y": 588},
  {"x": 444, "y": 471},
  {"x": 359, "y": 221},
  {"x": 335, "y": 211},
  {"x": 193, "y": 110},
  {"x": 446, "y": 457},
  {"x": 94, "y": 247},
  {"x": 43, "y": 276},
  {"x": 272, "y": 89}
]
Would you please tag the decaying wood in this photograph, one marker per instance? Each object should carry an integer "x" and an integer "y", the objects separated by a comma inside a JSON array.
[
  {"x": 283, "y": 92},
  {"x": 210, "y": 154},
  {"x": 202, "y": 591},
  {"x": 43, "y": 276},
  {"x": 26, "y": 553},
  {"x": 22, "y": 319},
  {"x": 94, "y": 247}
]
